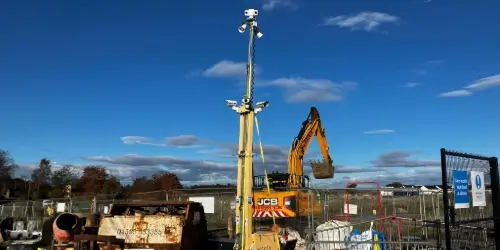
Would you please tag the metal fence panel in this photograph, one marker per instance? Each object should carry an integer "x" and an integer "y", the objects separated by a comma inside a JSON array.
[{"x": 472, "y": 227}]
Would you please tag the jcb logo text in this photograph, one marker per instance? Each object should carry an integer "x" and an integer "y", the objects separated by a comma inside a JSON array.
[{"x": 268, "y": 202}]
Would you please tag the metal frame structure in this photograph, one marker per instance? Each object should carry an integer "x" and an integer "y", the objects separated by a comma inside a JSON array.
[
  {"x": 379, "y": 198},
  {"x": 466, "y": 228}
]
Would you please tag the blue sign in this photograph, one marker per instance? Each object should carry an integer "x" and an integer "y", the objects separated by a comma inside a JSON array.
[
  {"x": 478, "y": 182},
  {"x": 461, "y": 189}
]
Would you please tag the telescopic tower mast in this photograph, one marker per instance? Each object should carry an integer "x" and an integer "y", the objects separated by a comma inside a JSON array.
[{"x": 247, "y": 110}]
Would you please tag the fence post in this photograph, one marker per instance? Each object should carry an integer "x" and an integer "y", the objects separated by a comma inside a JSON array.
[
  {"x": 438, "y": 227},
  {"x": 446, "y": 205},
  {"x": 495, "y": 186}
]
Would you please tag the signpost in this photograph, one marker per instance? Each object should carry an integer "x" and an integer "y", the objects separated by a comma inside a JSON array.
[
  {"x": 461, "y": 189},
  {"x": 478, "y": 189}
]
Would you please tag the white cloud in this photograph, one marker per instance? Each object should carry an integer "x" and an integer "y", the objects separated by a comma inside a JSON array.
[
  {"x": 379, "y": 131},
  {"x": 131, "y": 139},
  {"x": 172, "y": 141},
  {"x": 183, "y": 141},
  {"x": 269, "y": 5},
  {"x": 478, "y": 85},
  {"x": 298, "y": 89},
  {"x": 226, "y": 69},
  {"x": 434, "y": 63},
  {"x": 412, "y": 84},
  {"x": 367, "y": 21},
  {"x": 485, "y": 83},
  {"x": 456, "y": 93},
  {"x": 212, "y": 170}
]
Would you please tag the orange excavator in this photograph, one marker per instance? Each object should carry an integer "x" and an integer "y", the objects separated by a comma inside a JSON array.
[{"x": 288, "y": 197}]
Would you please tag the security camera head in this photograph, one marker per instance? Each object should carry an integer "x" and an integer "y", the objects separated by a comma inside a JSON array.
[
  {"x": 242, "y": 28},
  {"x": 231, "y": 103},
  {"x": 246, "y": 100},
  {"x": 251, "y": 13},
  {"x": 263, "y": 104}
]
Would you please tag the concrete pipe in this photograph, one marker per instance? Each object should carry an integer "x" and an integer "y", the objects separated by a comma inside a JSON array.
[{"x": 65, "y": 226}]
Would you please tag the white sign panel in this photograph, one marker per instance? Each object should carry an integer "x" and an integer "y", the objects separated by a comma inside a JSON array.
[
  {"x": 353, "y": 209},
  {"x": 61, "y": 207},
  {"x": 478, "y": 189},
  {"x": 208, "y": 203}
]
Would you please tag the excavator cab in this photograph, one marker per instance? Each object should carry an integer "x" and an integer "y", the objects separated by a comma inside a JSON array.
[{"x": 278, "y": 180}]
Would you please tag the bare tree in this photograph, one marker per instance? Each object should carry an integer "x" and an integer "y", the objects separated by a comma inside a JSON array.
[
  {"x": 64, "y": 176},
  {"x": 43, "y": 173},
  {"x": 41, "y": 178},
  {"x": 7, "y": 165},
  {"x": 61, "y": 179}
]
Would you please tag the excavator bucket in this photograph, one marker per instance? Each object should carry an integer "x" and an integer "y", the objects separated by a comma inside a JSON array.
[{"x": 322, "y": 170}]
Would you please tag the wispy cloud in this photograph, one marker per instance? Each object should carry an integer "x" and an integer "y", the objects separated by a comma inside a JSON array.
[
  {"x": 181, "y": 141},
  {"x": 412, "y": 84},
  {"x": 367, "y": 21},
  {"x": 485, "y": 83},
  {"x": 434, "y": 62},
  {"x": 426, "y": 67},
  {"x": 132, "y": 139},
  {"x": 297, "y": 89},
  {"x": 269, "y": 5},
  {"x": 226, "y": 69},
  {"x": 478, "y": 85},
  {"x": 456, "y": 93},
  {"x": 379, "y": 131}
]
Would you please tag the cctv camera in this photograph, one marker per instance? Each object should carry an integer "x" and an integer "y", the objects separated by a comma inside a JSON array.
[
  {"x": 242, "y": 28},
  {"x": 231, "y": 103},
  {"x": 251, "y": 13},
  {"x": 259, "y": 35},
  {"x": 263, "y": 104},
  {"x": 246, "y": 100}
]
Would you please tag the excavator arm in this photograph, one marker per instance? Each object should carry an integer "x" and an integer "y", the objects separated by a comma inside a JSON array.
[{"x": 324, "y": 169}]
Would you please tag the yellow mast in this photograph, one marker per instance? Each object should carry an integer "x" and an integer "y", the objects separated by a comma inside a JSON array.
[{"x": 247, "y": 111}]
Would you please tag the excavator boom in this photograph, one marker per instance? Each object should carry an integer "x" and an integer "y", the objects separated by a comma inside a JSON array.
[{"x": 323, "y": 169}]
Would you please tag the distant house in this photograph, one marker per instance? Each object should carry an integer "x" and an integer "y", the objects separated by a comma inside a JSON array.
[{"x": 386, "y": 192}]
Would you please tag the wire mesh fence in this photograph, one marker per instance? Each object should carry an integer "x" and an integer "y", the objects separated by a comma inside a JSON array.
[
  {"x": 469, "y": 225},
  {"x": 407, "y": 203}
]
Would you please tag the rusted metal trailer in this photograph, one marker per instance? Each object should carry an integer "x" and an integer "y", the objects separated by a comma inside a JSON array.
[{"x": 157, "y": 225}]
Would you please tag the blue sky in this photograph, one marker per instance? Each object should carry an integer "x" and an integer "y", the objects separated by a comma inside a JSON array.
[{"x": 139, "y": 86}]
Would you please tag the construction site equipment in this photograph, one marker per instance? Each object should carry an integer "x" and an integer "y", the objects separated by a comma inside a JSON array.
[
  {"x": 283, "y": 201},
  {"x": 324, "y": 169},
  {"x": 170, "y": 225},
  {"x": 65, "y": 226},
  {"x": 245, "y": 237}
]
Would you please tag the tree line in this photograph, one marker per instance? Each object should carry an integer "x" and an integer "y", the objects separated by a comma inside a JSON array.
[{"x": 67, "y": 181}]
